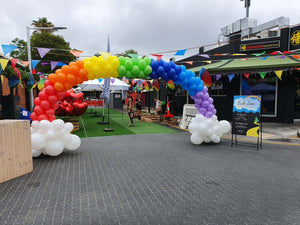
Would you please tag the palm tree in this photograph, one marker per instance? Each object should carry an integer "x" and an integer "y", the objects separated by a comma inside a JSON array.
[{"x": 42, "y": 22}]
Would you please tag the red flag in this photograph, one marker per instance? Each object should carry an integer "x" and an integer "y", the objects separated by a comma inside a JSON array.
[
  {"x": 157, "y": 56},
  {"x": 296, "y": 56},
  {"x": 286, "y": 52},
  {"x": 33, "y": 71},
  {"x": 14, "y": 62},
  {"x": 189, "y": 62},
  {"x": 76, "y": 53},
  {"x": 246, "y": 75}
]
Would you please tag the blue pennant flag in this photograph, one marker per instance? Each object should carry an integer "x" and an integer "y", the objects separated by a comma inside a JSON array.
[
  {"x": 180, "y": 52},
  {"x": 8, "y": 48},
  {"x": 230, "y": 76},
  {"x": 34, "y": 63},
  {"x": 61, "y": 64}
]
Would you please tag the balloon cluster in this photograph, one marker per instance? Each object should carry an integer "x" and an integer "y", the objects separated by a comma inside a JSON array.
[
  {"x": 204, "y": 103},
  {"x": 130, "y": 68},
  {"x": 51, "y": 138},
  {"x": 68, "y": 76},
  {"x": 71, "y": 105},
  {"x": 102, "y": 67},
  {"x": 46, "y": 103},
  {"x": 207, "y": 130}
]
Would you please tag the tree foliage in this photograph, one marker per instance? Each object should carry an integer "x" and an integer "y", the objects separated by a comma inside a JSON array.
[
  {"x": 42, "y": 22},
  {"x": 127, "y": 52}
]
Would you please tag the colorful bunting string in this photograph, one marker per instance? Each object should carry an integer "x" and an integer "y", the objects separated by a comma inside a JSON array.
[
  {"x": 53, "y": 64},
  {"x": 218, "y": 76},
  {"x": 76, "y": 53},
  {"x": 157, "y": 56},
  {"x": 14, "y": 62},
  {"x": 8, "y": 48},
  {"x": 180, "y": 52},
  {"x": 34, "y": 63},
  {"x": 3, "y": 63},
  {"x": 263, "y": 74},
  {"x": 278, "y": 73},
  {"x": 230, "y": 77},
  {"x": 43, "y": 51},
  {"x": 246, "y": 75},
  {"x": 204, "y": 56}
]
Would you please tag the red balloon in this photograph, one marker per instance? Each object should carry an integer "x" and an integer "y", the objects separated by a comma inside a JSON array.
[
  {"x": 42, "y": 117},
  {"x": 50, "y": 112},
  {"x": 33, "y": 116},
  {"x": 45, "y": 104},
  {"x": 37, "y": 101},
  {"x": 43, "y": 95},
  {"x": 53, "y": 99},
  {"x": 61, "y": 95},
  {"x": 47, "y": 83},
  {"x": 38, "y": 110},
  {"x": 50, "y": 90},
  {"x": 51, "y": 118}
]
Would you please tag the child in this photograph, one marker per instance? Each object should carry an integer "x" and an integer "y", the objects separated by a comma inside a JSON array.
[{"x": 157, "y": 106}]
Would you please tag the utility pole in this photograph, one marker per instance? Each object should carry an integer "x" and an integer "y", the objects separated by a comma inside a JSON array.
[{"x": 247, "y": 6}]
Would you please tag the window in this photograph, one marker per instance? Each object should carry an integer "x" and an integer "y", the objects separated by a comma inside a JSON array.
[{"x": 266, "y": 87}]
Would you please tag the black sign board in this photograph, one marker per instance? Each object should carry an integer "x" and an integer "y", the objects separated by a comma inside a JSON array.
[
  {"x": 294, "y": 38},
  {"x": 259, "y": 46}
]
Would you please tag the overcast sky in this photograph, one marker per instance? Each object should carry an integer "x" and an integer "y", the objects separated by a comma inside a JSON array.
[{"x": 147, "y": 26}]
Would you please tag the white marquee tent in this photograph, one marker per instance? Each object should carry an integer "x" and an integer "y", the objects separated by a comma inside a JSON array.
[{"x": 95, "y": 85}]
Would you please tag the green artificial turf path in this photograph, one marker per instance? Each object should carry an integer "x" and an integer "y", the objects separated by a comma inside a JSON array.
[{"x": 118, "y": 122}]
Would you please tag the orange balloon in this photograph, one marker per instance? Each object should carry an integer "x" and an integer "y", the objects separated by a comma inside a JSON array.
[
  {"x": 65, "y": 69},
  {"x": 74, "y": 70},
  {"x": 79, "y": 80},
  {"x": 72, "y": 64},
  {"x": 52, "y": 78},
  {"x": 58, "y": 71},
  {"x": 68, "y": 86},
  {"x": 71, "y": 79},
  {"x": 59, "y": 86},
  {"x": 61, "y": 77},
  {"x": 79, "y": 64},
  {"x": 83, "y": 73}
]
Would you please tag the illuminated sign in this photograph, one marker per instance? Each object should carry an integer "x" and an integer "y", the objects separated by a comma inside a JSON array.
[
  {"x": 295, "y": 38},
  {"x": 259, "y": 46}
]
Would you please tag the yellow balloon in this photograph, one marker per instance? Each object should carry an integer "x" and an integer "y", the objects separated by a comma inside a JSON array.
[
  {"x": 94, "y": 59},
  {"x": 88, "y": 65},
  {"x": 115, "y": 74},
  {"x": 91, "y": 76},
  {"x": 96, "y": 69},
  {"x": 115, "y": 62}
]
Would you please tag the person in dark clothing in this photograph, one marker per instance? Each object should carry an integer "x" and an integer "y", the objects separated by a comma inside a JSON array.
[{"x": 130, "y": 109}]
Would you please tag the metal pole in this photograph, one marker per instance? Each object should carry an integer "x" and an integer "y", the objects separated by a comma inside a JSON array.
[{"x": 30, "y": 67}]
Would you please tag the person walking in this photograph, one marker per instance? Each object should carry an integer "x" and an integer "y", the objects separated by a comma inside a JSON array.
[
  {"x": 158, "y": 106},
  {"x": 130, "y": 109}
]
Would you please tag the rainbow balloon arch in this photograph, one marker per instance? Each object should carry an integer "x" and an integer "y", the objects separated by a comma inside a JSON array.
[{"x": 50, "y": 136}]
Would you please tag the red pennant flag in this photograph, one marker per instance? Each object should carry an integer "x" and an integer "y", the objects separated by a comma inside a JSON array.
[
  {"x": 76, "y": 53},
  {"x": 33, "y": 71},
  {"x": 246, "y": 75},
  {"x": 286, "y": 52},
  {"x": 296, "y": 56},
  {"x": 189, "y": 62},
  {"x": 221, "y": 54},
  {"x": 26, "y": 63},
  {"x": 14, "y": 62},
  {"x": 157, "y": 56}
]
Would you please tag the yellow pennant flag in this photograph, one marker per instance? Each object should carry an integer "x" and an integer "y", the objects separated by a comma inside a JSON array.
[
  {"x": 278, "y": 73},
  {"x": 3, "y": 63},
  {"x": 207, "y": 61},
  {"x": 105, "y": 55}
]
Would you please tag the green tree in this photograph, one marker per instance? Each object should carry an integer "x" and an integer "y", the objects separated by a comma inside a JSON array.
[
  {"x": 21, "y": 51},
  {"x": 42, "y": 22},
  {"x": 125, "y": 54}
]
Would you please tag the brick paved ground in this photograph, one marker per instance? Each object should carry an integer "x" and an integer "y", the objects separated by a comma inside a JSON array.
[{"x": 157, "y": 179}]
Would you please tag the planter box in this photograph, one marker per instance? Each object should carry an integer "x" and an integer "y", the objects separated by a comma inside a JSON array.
[{"x": 15, "y": 149}]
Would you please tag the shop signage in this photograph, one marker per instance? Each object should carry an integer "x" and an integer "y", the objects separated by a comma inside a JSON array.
[
  {"x": 246, "y": 115},
  {"x": 259, "y": 46},
  {"x": 295, "y": 38}
]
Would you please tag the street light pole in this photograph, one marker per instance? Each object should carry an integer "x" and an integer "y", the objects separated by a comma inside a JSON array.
[{"x": 29, "y": 55}]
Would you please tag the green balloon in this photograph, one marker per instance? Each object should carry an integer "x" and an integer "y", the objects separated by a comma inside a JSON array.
[
  {"x": 128, "y": 64},
  {"x": 142, "y": 64},
  {"x": 147, "y": 60},
  {"x": 122, "y": 70},
  {"x": 141, "y": 74},
  {"x": 122, "y": 60},
  {"x": 148, "y": 70},
  {"x": 128, "y": 75},
  {"x": 135, "y": 70}
]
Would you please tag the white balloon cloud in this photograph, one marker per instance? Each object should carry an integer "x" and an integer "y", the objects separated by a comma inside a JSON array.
[
  {"x": 51, "y": 138},
  {"x": 207, "y": 130}
]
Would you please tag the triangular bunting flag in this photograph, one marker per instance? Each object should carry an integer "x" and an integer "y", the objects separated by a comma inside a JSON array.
[
  {"x": 246, "y": 75},
  {"x": 53, "y": 64},
  {"x": 180, "y": 52},
  {"x": 34, "y": 63},
  {"x": 221, "y": 54},
  {"x": 43, "y": 51},
  {"x": 204, "y": 55},
  {"x": 296, "y": 56},
  {"x": 25, "y": 63},
  {"x": 3, "y": 63},
  {"x": 157, "y": 56},
  {"x": 238, "y": 54},
  {"x": 281, "y": 57},
  {"x": 278, "y": 73},
  {"x": 230, "y": 77},
  {"x": 61, "y": 64},
  {"x": 263, "y": 74},
  {"x": 218, "y": 76},
  {"x": 275, "y": 53},
  {"x": 76, "y": 53},
  {"x": 8, "y": 48},
  {"x": 244, "y": 59},
  {"x": 286, "y": 52},
  {"x": 14, "y": 62},
  {"x": 134, "y": 57},
  {"x": 189, "y": 62},
  {"x": 33, "y": 71},
  {"x": 258, "y": 54},
  {"x": 264, "y": 58},
  {"x": 207, "y": 62}
]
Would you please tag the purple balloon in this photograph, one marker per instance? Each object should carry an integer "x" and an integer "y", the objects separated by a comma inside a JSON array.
[
  {"x": 210, "y": 107},
  {"x": 199, "y": 95},
  {"x": 205, "y": 96},
  {"x": 205, "y": 89},
  {"x": 202, "y": 110},
  {"x": 205, "y": 104},
  {"x": 210, "y": 100},
  {"x": 208, "y": 114},
  {"x": 214, "y": 112},
  {"x": 198, "y": 101}
]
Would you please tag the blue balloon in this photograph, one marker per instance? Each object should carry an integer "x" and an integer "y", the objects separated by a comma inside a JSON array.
[
  {"x": 185, "y": 84},
  {"x": 183, "y": 68},
  {"x": 178, "y": 69},
  {"x": 192, "y": 93},
  {"x": 161, "y": 63},
  {"x": 160, "y": 70},
  {"x": 192, "y": 80},
  {"x": 165, "y": 76},
  {"x": 172, "y": 64},
  {"x": 199, "y": 88},
  {"x": 175, "y": 79},
  {"x": 190, "y": 74},
  {"x": 154, "y": 65},
  {"x": 154, "y": 75},
  {"x": 167, "y": 66},
  {"x": 182, "y": 76},
  {"x": 172, "y": 73}
]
